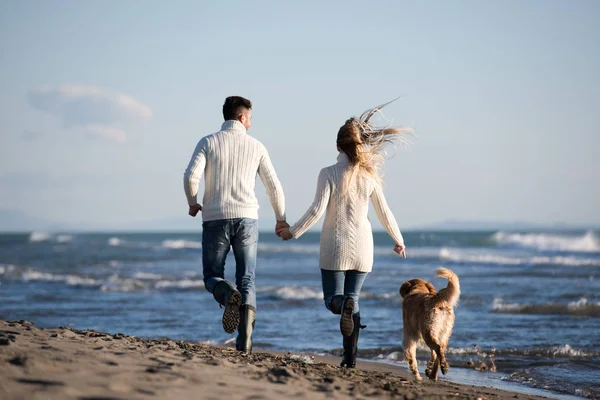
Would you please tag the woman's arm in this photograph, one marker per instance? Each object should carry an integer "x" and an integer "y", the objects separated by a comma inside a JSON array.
[
  {"x": 317, "y": 208},
  {"x": 385, "y": 216}
]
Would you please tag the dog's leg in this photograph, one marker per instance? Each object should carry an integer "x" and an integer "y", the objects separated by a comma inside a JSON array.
[
  {"x": 440, "y": 360},
  {"x": 430, "y": 364},
  {"x": 443, "y": 362},
  {"x": 410, "y": 355}
]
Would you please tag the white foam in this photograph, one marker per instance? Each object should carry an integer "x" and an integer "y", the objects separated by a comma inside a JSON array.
[
  {"x": 581, "y": 304},
  {"x": 6, "y": 268},
  {"x": 73, "y": 280},
  {"x": 181, "y": 244},
  {"x": 293, "y": 292},
  {"x": 64, "y": 238},
  {"x": 118, "y": 284},
  {"x": 39, "y": 237},
  {"x": 585, "y": 243},
  {"x": 500, "y": 305},
  {"x": 181, "y": 284},
  {"x": 147, "y": 275},
  {"x": 466, "y": 256},
  {"x": 114, "y": 241},
  {"x": 40, "y": 276}
]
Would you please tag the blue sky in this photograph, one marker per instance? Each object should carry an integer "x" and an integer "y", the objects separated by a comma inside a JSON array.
[{"x": 102, "y": 103}]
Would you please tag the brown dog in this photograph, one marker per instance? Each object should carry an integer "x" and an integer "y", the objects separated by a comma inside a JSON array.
[{"x": 429, "y": 316}]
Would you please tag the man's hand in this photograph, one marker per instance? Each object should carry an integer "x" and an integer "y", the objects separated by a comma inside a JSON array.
[
  {"x": 284, "y": 233},
  {"x": 194, "y": 210},
  {"x": 400, "y": 249},
  {"x": 280, "y": 225}
]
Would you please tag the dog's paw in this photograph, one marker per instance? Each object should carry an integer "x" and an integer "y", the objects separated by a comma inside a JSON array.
[
  {"x": 418, "y": 377},
  {"x": 428, "y": 371},
  {"x": 445, "y": 368}
]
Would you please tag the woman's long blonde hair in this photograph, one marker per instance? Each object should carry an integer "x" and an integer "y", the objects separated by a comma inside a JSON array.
[{"x": 364, "y": 143}]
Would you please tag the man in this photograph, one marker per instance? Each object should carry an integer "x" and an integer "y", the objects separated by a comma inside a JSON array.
[{"x": 230, "y": 160}]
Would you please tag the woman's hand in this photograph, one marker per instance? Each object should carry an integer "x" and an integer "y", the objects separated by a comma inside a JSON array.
[
  {"x": 400, "y": 249},
  {"x": 284, "y": 233}
]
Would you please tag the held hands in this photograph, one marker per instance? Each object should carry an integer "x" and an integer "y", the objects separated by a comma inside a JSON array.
[
  {"x": 284, "y": 233},
  {"x": 194, "y": 210},
  {"x": 280, "y": 225},
  {"x": 400, "y": 249},
  {"x": 282, "y": 229}
]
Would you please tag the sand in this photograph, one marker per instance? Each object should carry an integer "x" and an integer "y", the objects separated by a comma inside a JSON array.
[{"x": 65, "y": 363}]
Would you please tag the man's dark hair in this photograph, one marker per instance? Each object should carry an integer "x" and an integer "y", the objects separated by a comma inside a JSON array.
[{"x": 233, "y": 107}]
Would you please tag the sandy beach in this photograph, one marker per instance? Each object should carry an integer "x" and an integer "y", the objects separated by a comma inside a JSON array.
[{"x": 65, "y": 363}]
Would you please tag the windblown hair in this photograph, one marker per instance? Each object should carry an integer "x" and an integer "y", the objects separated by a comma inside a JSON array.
[
  {"x": 364, "y": 143},
  {"x": 234, "y": 106}
]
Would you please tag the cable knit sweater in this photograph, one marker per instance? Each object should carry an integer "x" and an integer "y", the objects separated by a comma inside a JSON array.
[
  {"x": 346, "y": 238},
  {"x": 230, "y": 160}
]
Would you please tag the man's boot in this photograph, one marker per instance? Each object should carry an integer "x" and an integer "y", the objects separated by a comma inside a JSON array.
[
  {"x": 227, "y": 295},
  {"x": 351, "y": 344},
  {"x": 247, "y": 322}
]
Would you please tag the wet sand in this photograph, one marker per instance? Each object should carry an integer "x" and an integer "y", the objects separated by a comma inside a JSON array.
[{"x": 66, "y": 363}]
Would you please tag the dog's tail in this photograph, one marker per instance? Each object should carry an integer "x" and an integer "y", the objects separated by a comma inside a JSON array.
[{"x": 450, "y": 293}]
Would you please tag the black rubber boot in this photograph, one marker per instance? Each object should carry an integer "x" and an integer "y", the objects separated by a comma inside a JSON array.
[
  {"x": 337, "y": 303},
  {"x": 227, "y": 295},
  {"x": 351, "y": 344},
  {"x": 247, "y": 322},
  {"x": 346, "y": 320}
]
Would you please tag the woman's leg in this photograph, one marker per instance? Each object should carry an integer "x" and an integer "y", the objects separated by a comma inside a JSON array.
[
  {"x": 333, "y": 289},
  {"x": 353, "y": 285}
]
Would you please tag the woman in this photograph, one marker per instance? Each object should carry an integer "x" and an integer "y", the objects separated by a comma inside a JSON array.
[{"x": 343, "y": 193}]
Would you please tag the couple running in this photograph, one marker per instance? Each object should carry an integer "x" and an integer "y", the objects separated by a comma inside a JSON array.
[{"x": 230, "y": 160}]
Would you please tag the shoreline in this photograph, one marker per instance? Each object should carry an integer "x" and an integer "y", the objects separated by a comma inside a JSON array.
[{"x": 65, "y": 363}]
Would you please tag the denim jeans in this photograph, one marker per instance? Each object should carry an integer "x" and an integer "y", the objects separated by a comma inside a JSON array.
[
  {"x": 347, "y": 283},
  {"x": 218, "y": 236}
]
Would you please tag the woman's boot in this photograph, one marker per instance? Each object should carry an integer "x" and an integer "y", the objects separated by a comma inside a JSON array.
[
  {"x": 351, "y": 344},
  {"x": 247, "y": 321},
  {"x": 346, "y": 320},
  {"x": 227, "y": 295}
]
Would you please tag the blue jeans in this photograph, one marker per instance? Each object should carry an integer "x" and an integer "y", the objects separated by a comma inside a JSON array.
[
  {"x": 346, "y": 283},
  {"x": 218, "y": 236}
]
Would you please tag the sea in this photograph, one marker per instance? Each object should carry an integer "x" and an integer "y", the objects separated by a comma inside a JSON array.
[{"x": 528, "y": 317}]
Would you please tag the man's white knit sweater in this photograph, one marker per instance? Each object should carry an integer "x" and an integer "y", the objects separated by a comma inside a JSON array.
[
  {"x": 230, "y": 160},
  {"x": 346, "y": 238}
]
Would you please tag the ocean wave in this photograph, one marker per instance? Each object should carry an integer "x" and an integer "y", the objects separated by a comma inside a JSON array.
[
  {"x": 69, "y": 279},
  {"x": 116, "y": 283},
  {"x": 114, "y": 241},
  {"x": 180, "y": 284},
  {"x": 39, "y": 237},
  {"x": 141, "y": 281},
  {"x": 462, "y": 256},
  {"x": 557, "y": 351},
  {"x": 586, "y": 243},
  {"x": 64, "y": 238},
  {"x": 582, "y": 307},
  {"x": 292, "y": 292},
  {"x": 147, "y": 276},
  {"x": 6, "y": 268},
  {"x": 181, "y": 244}
]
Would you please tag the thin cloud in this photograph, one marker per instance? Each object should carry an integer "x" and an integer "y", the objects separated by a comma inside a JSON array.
[{"x": 91, "y": 110}]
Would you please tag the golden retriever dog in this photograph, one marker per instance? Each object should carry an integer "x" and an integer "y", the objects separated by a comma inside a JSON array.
[{"x": 428, "y": 316}]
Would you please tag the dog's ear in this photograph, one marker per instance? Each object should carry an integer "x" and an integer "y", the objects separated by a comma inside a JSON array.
[
  {"x": 405, "y": 288},
  {"x": 431, "y": 288}
]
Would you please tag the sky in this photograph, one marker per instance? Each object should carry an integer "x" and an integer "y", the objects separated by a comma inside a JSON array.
[{"x": 103, "y": 102}]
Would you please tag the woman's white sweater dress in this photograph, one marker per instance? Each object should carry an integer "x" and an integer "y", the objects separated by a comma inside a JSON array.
[{"x": 346, "y": 238}]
